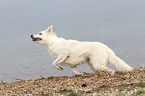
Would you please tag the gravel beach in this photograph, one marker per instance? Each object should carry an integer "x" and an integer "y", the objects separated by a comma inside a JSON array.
[{"x": 130, "y": 83}]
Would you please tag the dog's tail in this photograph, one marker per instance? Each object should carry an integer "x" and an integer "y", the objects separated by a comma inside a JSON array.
[{"x": 119, "y": 64}]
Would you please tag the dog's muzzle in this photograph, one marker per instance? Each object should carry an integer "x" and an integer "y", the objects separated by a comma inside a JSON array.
[{"x": 35, "y": 39}]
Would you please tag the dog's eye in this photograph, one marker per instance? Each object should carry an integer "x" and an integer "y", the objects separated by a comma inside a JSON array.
[{"x": 40, "y": 33}]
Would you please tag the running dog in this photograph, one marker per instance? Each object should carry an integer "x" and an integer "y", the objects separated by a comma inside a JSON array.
[{"x": 73, "y": 53}]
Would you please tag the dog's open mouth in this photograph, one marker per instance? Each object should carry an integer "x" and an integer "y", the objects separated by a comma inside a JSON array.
[{"x": 36, "y": 39}]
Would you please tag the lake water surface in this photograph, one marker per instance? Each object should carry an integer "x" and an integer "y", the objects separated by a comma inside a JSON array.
[{"x": 120, "y": 24}]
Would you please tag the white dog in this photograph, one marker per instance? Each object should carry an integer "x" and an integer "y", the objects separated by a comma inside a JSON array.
[{"x": 72, "y": 53}]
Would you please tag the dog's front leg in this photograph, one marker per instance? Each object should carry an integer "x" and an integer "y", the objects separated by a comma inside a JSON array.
[
  {"x": 74, "y": 68},
  {"x": 58, "y": 60}
]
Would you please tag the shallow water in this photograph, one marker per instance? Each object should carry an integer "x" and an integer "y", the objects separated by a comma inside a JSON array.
[{"x": 120, "y": 24}]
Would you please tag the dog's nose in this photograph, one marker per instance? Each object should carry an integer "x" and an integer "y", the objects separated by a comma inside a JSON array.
[{"x": 31, "y": 36}]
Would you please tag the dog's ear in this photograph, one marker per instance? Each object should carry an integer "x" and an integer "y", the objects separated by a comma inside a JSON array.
[{"x": 49, "y": 29}]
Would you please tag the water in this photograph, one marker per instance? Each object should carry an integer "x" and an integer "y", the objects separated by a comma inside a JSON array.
[{"x": 120, "y": 24}]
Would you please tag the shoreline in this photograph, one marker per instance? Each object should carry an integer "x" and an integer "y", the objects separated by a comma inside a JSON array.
[{"x": 131, "y": 83}]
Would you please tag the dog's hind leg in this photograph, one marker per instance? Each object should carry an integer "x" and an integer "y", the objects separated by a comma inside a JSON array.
[
  {"x": 99, "y": 69},
  {"x": 91, "y": 66},
  {"x": 74, "y": 68},
  {"x": 99, "y": 64}
]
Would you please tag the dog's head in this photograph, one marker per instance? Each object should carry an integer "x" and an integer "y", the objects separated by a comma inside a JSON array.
[{"x": 43, "y": 36}]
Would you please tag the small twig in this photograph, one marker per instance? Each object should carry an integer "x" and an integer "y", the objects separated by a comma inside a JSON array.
[
  {"x": 12, "y": 79},
  {"x": 18, "y": 79},
  {"x": 34, "y": 75}
]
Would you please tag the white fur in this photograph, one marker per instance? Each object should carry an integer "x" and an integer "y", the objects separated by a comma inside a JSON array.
[{"x": 72, "y": 53}]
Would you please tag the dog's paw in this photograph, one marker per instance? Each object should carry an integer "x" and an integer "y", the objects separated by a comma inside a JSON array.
[{"x": 60, "y": 68}]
